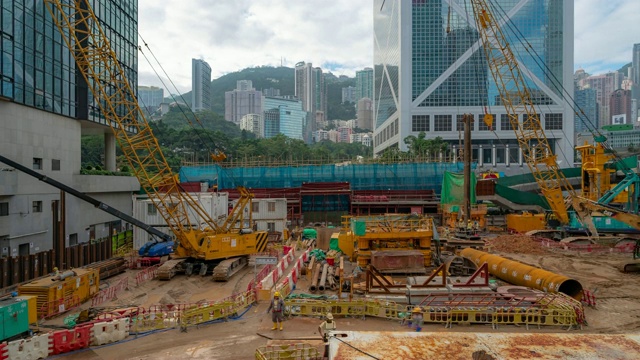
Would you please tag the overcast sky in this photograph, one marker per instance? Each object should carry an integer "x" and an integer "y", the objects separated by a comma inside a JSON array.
[{"x": 336, "y": 35}]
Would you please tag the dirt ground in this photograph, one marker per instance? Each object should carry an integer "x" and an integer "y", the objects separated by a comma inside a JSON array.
[{"x": 617, "y": 311}]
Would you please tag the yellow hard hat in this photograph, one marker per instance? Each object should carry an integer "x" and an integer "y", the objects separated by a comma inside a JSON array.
[
  {"x": 55, "y": 268},
  {"x": 277, "y": 294},
  {"x": 417, "y": 309}
]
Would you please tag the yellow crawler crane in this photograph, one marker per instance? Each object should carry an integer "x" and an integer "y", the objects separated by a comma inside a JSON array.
[
  {"x": 202, "y": 241},
  {"x": 515, "y": 97}
]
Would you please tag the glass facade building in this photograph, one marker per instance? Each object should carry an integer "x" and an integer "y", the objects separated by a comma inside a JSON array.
[
  {"x": 430, "y": 68},
  {"x": 284, "y": 116},
  {"x": 364, "y": 84},
  {"x": 37, "y": 68},
  {"x": 200, "y": 85}
]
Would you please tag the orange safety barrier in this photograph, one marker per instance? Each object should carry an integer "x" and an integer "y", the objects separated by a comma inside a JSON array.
[
  {"x": 110, "y": 293},
  {"x": 147, "y": 274},
  {"x": 254, "y": 284},
  {"x": 65, "y": 341},
  {"x": 3, "y": 351}
]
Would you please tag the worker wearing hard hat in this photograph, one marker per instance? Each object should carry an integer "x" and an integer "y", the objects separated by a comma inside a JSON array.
[
  {"x": 276, "y": 307},
  {"x": 56, "y": 272},
  {"x": 327, "y": 325},
  {"x": 417, "y": 318}
]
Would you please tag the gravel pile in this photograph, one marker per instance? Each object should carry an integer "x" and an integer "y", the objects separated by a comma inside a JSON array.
[{"x": 516, "y": 244}]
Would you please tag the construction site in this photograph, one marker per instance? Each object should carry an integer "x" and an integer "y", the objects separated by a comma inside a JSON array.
[{"x": 438, "y": 260}]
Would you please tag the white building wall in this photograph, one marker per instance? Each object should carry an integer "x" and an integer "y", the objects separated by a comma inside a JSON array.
[{"x": 216, "y": 205}]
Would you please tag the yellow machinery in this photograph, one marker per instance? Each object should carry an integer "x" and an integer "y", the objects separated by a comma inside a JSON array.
[
  {"x": 515, "y": 97},
  {"x": 59, "y": 293},
  {"x": 522, "y": 223},
  {"x": 451, "y": 216},
  {"x": 205, "y": 240},
  {"x": 360, "y": 236},
  {"x": 596, "y": 176}
]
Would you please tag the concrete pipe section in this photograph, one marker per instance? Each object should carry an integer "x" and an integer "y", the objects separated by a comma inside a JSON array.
[{"x": 524, "y": 275}]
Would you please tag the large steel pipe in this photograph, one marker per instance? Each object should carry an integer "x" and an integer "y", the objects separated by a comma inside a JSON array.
[
  {"x": 323, "y": 278},
  {"x": 524, "y": 275}
]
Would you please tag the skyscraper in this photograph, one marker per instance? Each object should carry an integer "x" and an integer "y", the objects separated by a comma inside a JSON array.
[
  {"x": 45, "y": 109},
  {"x": 150, "y": 97},
  {"x": 604, "y": 85},
  {"x": 364, "y": 83},
  {"x": 284, "y": 116},
  {"x": 430, "y": 69},
  {"x": 310, "y": 88},
  {"x": 635, "y": 68},
  {"x": 243, "y": 100},
  {"x": 200, "y": 85},
  {"x": 587, "y": 110}
]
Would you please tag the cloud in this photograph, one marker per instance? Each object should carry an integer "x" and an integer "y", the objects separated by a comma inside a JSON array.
[
  {"x": 232, "y": 35},
  {"x": 605, "y": 32}
]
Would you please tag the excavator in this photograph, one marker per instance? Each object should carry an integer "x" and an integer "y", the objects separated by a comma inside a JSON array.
[
  {"x": 536, "y": 149},
  {"x": 200, "y": 241}
]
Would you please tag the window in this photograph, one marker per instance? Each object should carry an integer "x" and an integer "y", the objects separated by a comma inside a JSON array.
[
  {"x": 553, "y": 122},
  {"x": 271, "y": 227},
  {"x": 505, "y": 122},
  {"x": 255, "y": 207},
  {"x": 271, "y": 206},
  {"x": 4, "y": 209},
  {"x": 482, "y": 125},
  {"x": 151, "y": 210},
  {"x": 442, "y": 123},
  {"x": 37, "y": 163},
  {"x": 36, "y": 206},
  {"x": 531, "y": 122},
  {"x": 420, "y": 123},
  {"x": 55, "y": 165},
  {"x": 459, "y": 122},
  {"x": 73, "y": 239}
]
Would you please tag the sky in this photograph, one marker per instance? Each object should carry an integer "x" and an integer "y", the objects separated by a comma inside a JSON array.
[{"x": 337, "y": 35}]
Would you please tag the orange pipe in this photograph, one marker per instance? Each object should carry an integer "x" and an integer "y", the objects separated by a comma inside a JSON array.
[{"x": 524, "y": 275}]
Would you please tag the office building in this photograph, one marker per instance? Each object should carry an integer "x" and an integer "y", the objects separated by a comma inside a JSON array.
[
  {"x": 587, "y": 117},
  {"x": 349, "y": 94},
  {"x": 426, "y": 78},
  {"x": 364, "y": 114},
  {"x": 45, "y": 109},
  {"x": 310, "y": 88},
  {"x": 200, "y": 85},
  {"x": 604, "y": 85},
  {"x": 635, "y": 76},
  {"x": 150, "y": 97},
  {"x": 253, "y": 123},
  {"x": 243, "y": 100},
  {"x": 620, "y": 107},
  {"x": 364, "y": 83},
  {"x": 284, "y": 116}
]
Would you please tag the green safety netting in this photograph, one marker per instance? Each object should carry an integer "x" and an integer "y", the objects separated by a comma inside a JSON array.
[{"x": 453, "y": 188}]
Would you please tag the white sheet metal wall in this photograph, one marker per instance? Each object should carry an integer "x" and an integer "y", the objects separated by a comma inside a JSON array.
[
  {"x": 216, "y": 204},
  {"x": 270, "y": 211}
]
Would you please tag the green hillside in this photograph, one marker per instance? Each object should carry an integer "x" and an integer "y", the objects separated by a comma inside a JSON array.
[{"x": 281, "y": 78}]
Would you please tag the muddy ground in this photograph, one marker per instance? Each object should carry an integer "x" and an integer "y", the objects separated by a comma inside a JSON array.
[{"x": 617, "y": 311}]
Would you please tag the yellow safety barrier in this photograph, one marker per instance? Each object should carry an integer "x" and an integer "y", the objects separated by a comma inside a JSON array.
[
  {"x": 218, "y": 310},
  {"x": 290, "y": 352},
  {"x": 557, "y": 310},
  {"x": 146, "y": 321}
]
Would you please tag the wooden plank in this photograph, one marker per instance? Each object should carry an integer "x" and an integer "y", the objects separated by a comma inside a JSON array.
[{"x": 4, "y": 273}]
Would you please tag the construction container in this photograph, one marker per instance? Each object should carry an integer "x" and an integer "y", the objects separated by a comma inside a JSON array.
[
  {"x": 398, "y": 260},
  {"x": 14, "y": 318},
  {"x": 521, "y": 223},
  {"x": 58, "y": 293}
]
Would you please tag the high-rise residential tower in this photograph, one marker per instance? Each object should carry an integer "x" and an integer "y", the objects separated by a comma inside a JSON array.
[
  {"x": 45, "y": 110},
  {"x": 635, "y": 78},
  {"x": 243, "y": 100},
  {"x": 364, "y": 83},
  {"x": 150, "y": 97},
  {"x": 310, "y": 88},
  {"x": 430, "y": 69},
  {"x": 200, "y": 85}
]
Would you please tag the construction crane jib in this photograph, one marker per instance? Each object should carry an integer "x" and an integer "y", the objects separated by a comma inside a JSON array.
[
  {"x": 116, "y": 99},
  {"x": 517, "y": 101}
]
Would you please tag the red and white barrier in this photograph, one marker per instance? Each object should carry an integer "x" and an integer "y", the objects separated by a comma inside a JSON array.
[
  {"x": 110, "y": 293},
  {"x": 147, "y": 274},
  {"x": 270, "y": 280},
  {"x": 36, "y": 347},
  {"x": 588, "y": 248},
  {"x": 286, "y": 286}
]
